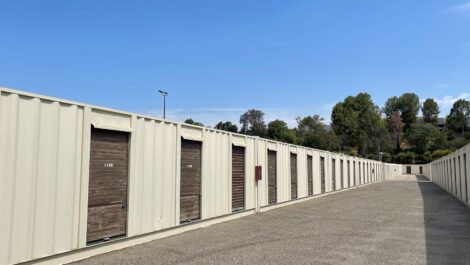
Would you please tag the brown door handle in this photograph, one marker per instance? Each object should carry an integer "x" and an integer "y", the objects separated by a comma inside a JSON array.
[{"x": 124, "y": 205}]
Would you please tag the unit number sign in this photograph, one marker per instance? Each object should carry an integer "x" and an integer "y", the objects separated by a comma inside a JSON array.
[{"x": 108, "y": 165}]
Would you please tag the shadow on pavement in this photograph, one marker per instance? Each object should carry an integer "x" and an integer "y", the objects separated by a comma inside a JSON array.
[{"x": 447, "y": 225}]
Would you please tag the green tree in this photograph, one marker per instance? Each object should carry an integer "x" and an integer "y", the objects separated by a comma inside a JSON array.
[
  {"x": 392, "y": 105},
  {"x": 430, "y": 111},
  {"x": 358, "y": 124},
  {"x": 226, "y": 126},
  {"x": 252, "y": 123},
  {"x": 409, "y": 107},
  {"x": 427, "y": 156},
  {"x": 312, "y": 132},
  {"x": 386, "y": 157},
  {"x": 425, "y": 137},
  {"x": 190, "y": 121},
  {"x": 278, "y": 130},
  {"x": 459, "y": 115}
]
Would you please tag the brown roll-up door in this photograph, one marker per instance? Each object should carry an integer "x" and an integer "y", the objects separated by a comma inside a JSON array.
[
  {"x": 349, "y": 174},
  {"x": 354, "y": 173},
  {"x": 333, "y": 174},
  {"x": 190, "y": 192},
  {"x": 465, "y": 176},
  {"x": 341, "y": 173},
  {"x": 272, "y": 177},
  {"x": 107, "y": 190},
  {"x": 293, "y": 175},
  {"x": 238, "y": 178},
  {"x": 310, "y": 175},
  {"x": 322, "y": 174}
]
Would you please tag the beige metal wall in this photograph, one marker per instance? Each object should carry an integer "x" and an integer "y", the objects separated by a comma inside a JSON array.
[
  {"x": 44, "y": 164},
  {"x": 40, "y": 171},
  {"x": 452, "y": 173}
]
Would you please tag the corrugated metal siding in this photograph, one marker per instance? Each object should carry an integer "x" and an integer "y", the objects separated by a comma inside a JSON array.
[
  {"x": 251, "y": 162},
  {"x": 152, "y": 185},
  {"x": 216, "y": 177},
  {"x": 451, "y": 173},
  {"x": 44, "y": 162},
  {"x": 302, "y": 183},
  {"x": 40, "y": 167}
]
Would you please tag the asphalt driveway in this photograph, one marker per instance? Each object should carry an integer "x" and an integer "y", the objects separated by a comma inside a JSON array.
[{"x": 405, "y": 221}]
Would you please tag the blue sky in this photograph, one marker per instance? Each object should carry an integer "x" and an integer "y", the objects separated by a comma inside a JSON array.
[{"x": 220, "y": 58}]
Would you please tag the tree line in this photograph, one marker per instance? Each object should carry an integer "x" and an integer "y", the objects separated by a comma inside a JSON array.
[{"x": 393, "y": 133}]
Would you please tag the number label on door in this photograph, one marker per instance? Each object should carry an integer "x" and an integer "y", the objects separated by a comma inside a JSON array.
[{"x": 108, "y": 165}]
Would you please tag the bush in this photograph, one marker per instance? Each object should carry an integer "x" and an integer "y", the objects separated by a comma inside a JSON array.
[
  {"x": 386, "y": 157},
  {"x": 450, "y": 134},
  {"x": 405, "y": 157},
  {"x": 427, "y": 156},
  {"x": 467, "y": 135},
  {"x": 353, "y": 152},
  {"x": 440, "y": 153},
  {"x": 458, "y": 143}
]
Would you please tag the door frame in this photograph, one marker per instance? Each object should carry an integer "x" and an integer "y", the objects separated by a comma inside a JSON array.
[
  {"x": 87, "y": 150},
  {"x": 178, "y": 211}
]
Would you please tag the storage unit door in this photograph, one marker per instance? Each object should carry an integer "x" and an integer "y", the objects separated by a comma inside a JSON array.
[
  {"x": 310, "y": 175},
  {"x": 238, "y": 178},
  {"x": 333, "y": 174},
  {"x": 190, "y": 189},
  {"x": 272, "y": 177},
  {"x": 341, "y": 174},
  {"x": 354, "y": 173},
  {"x": 408, "y": 170},
  {"x": 107, "y": 190},
  {"x": 322, "y": 174},
  {"x": 293, "y": 176}
]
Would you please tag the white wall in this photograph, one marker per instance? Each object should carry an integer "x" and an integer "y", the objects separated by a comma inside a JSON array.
[
  {"x": 44, "y": 164},
  {"x": 452, "y": 173}
]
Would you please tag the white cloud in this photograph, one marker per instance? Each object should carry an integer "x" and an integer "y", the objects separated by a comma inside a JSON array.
[
  {"x": 462, "y": 8},
  {"x": 445, "y": 103},
  {"x": 211, "y": 116}
]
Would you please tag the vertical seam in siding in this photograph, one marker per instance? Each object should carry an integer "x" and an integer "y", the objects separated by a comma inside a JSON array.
[
  {"x": 34, "y": 194},
  {"x": 176, "y": 208},
  {"x": 78, "y": 172},
  {"x": 12, "y": 211},
  {"x": 84, "y": 177},
  {"x": 229, "y": 174},
  {"x": 55, "y": 179},
  {"x": 154, "y": 203}
]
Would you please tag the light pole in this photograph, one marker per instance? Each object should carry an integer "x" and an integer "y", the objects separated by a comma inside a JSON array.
[{"x": 164, "y": 94}]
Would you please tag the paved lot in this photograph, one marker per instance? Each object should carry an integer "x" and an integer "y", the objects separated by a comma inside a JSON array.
[{"x": 395, "y": 222}]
